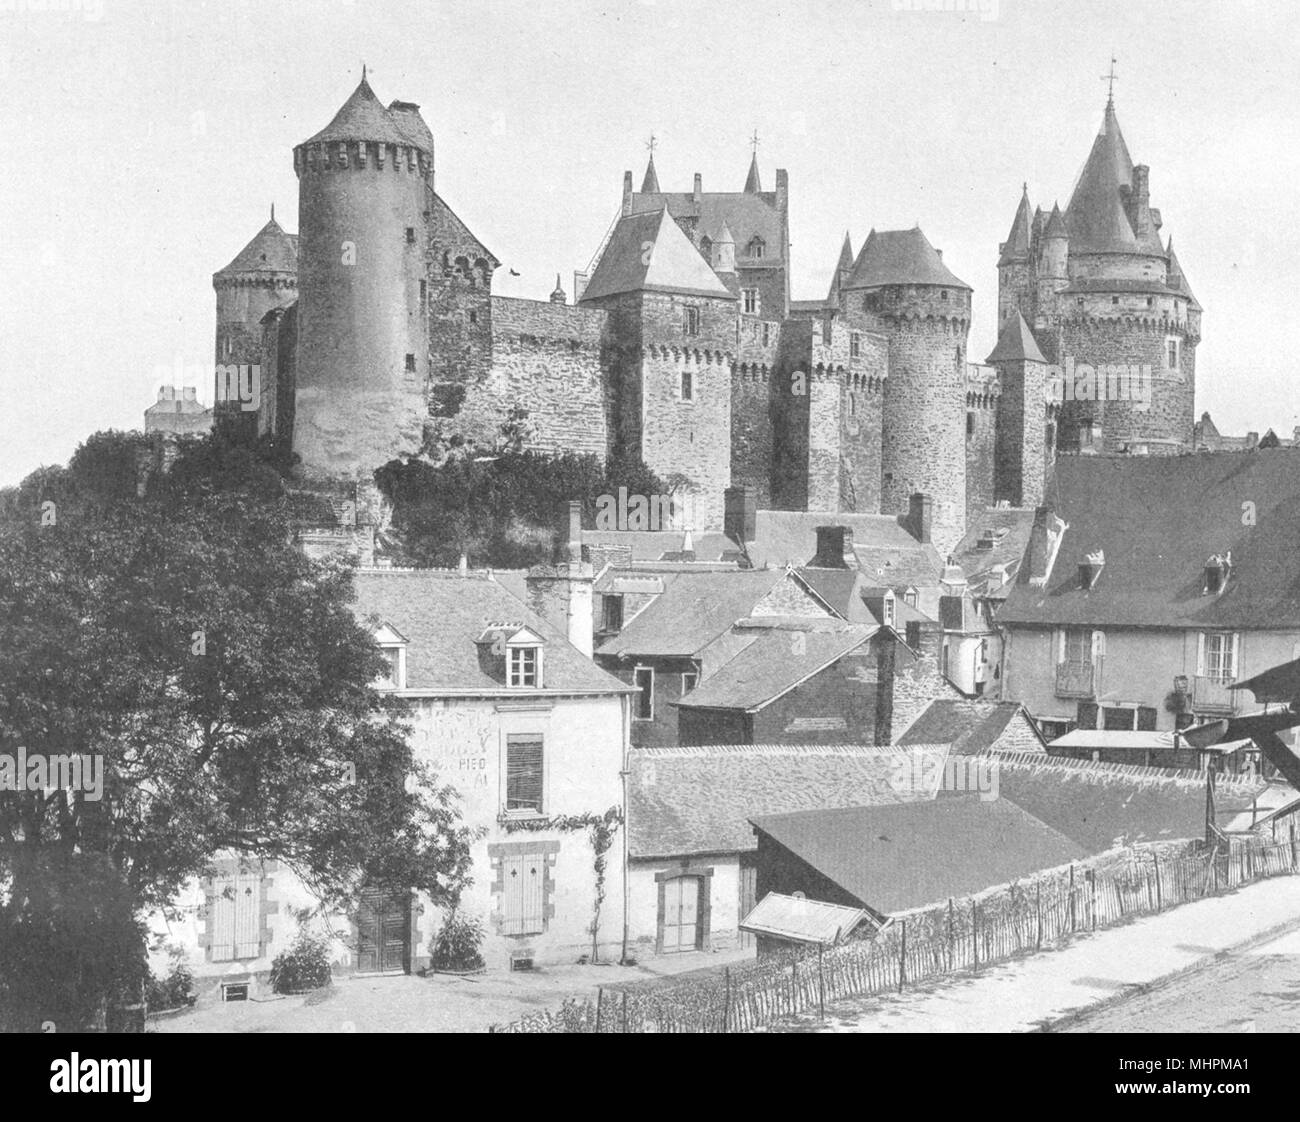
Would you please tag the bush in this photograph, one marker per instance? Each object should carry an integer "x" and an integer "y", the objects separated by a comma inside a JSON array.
[
  {"x": 457, "y": 943},
  {"x": 304, "y": 966},
  {"x": 174, "y": 990}
]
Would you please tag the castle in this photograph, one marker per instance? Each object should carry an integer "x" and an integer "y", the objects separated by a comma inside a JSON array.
[{"x": 682, "y": 345}]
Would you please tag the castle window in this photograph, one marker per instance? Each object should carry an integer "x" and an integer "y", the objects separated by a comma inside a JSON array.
[
  {"x": 473, "y": 317},
  {"x": 424, "y": 293},
  {"x": 943, "y": 294},
  {"x": 410, "y": 364},
  {"x": 767, "y": 333},
  {"x": 757, "y": 247},
  {"x": 410, "y": 235},
  {"x": 1114, "y": 299},
  {"x": 855, "y": 344},
  {"x": 749, "y": 298},
  {"x": 958, "y": 356},
  {"x": 692, "y": 326},
  {"x": 970, "y": 425},
  {"x": 853, "y": 404},
  {"x": 1171, "y": 346},
  {"x": 1151, "y": 301},
  {"x": 688, "y": 386}
]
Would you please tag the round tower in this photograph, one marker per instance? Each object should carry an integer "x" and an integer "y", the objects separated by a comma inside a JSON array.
[
  {"x": 364, "y": 185},
  {"x": 900, "y": 283},
  {"x": 263, "y": 276}
]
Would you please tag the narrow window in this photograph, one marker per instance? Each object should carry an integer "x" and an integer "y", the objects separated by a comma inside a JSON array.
[
  {"x": 970, "y": 425},
  {"x": 688, "y": 386},
  {"x": 855, "y": 344},
  {"x": 689, "y": 680},
  {"x": 410, "y": 235},
  {"x": 424, "y": 293},
  {"x": 692, "y": 321},
  {"x": 473, "y": 317},
  {"x": 750, "y": 301},
  {"x": 644, "y": 680},
  {"x": 613, "y": 613},
  {"x": 1173, "y": 354},
  {"x": 410, "y": 364},
  {"x": 524, "y": 772}
]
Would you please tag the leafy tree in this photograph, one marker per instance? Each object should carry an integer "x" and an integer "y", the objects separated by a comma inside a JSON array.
[{"x": 166, "y": 623}]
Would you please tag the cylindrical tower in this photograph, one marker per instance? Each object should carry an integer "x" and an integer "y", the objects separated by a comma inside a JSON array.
[
  {"x": 899, "y": 281},
  {"x": 364, "y": 182}
]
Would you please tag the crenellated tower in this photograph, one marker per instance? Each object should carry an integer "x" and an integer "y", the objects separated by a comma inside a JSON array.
[{"x": 365, "y": 190}]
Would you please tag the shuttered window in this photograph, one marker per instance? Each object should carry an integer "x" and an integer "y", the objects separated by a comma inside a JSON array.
[
  {"x": 523, "y": 894},
  {"x": 524, "y": 762},
  {"x": 235, "y": 917}
]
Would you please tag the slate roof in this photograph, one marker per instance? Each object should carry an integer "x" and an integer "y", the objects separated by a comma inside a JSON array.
[
  {"x": 699, "y": 800},
  {"x": 1095, "y": 216},
  {"x": 841, "y": 590},
  {"x": 900, "y": 257},
  {"x": 442, "y": 614},
  {"x": 1099, "y": 805},
  {"x": 1056, "y": 227},
  {"x": 753, "y": 184},
  {"x": 1177, "y": 278},
  {"x": 652, "y": 545},
  {"x": 1017, "y": 243},
  {"x": 363, "y": 117},
  {"x": 270, "y": 251},
  {"x": 970, "y": 727},
  {"x": 881, "y": 544},
  {"x": 1010, "y": 527},
  {"x": 745, "y": 214},
  {"x": 844, "y": 263},
  {"x": 1158, "y": 519},
  {"x": 767, "y": 668},
  {"x": 895, "y": 858},
  {"x": 649, "y": 253},
  {"x": 693, "y": 611},
  {"x": 1016, "y": 343}
]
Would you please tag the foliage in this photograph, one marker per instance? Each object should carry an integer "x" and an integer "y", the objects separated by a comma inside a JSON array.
[
  {"x": 495, "y": 502},
  {"x": 304, "y": 966},
  {"x": 222, "y": 677},
  {"x": 175, "y": 989},
  {"x": 456, "y": 946}
]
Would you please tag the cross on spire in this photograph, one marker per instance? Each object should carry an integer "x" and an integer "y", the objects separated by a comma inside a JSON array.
[
  {"x": 651, "y": 145},
  {"x": 1110, "y": 79},
  {"x": 754, "y": 142}
]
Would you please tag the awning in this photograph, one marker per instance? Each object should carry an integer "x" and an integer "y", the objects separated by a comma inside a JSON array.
[{"x": 801, "y": 921}]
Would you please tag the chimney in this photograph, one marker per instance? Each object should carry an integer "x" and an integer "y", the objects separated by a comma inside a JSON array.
[
  {"x": 740, "y": 514},
  {"x": 191, "y": 393},
  {"x": 699, "y": 190},
  {"x": 166, "y": 393},
  {"x": 920, "y": 517},
  {"x": 627, "y": 192},
  {"x": 833, "y": 542},
  {"x": 562, "y": 593},
  {"x": 953, "y": 580},
  {"x": 1038, "y": 553}
]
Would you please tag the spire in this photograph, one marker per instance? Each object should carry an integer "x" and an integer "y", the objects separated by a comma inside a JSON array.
[
  {"x": 650, "y": 183},
  {"x": 558, "y": 296},
  {"x": 753, "y": 185},
  {"x": 1096, "y": 219},
  {"x": 1055, "y": 224},
  {"x": 273, "y": 212},
  {"x": 1016, "y": 343},
  {"x": 843, "y": 267},
  {"x": 1016, "y": 247}
]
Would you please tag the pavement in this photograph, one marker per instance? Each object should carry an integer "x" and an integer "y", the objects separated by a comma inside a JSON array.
[
  {"x": 438, "y": 1003},
  {"x": 1050, "y": 990}
]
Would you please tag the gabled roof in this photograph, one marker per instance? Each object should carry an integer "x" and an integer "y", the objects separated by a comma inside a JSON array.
[
  {"x": 649, "y": 253},
  {"x": 1095, "y": 216},
  {"x": 768, "y": 669},
  {"x": 840, "y": 590},
  {"x": 972, "y": 727},
  {"x": 1158, "y": 519},
  {"x": 443, "y": 615},
  {"x": 895, "y": 858},
  {"x": 699, "y": 800},
  {"x": 363, "y": 117},
  {"x": 1016, "y": 343},
  {"x": 745, "y": 215},
  {"x": 270, "y": 251},
  {"x": 449, "y": 231},
  {"x": 900, "y": 257},
  {"x": 692, "y": 611},
  {"x": 881, "y": 544},
  {"x": 653, "y": 545},
  {"x": 1016, "y": 247}
]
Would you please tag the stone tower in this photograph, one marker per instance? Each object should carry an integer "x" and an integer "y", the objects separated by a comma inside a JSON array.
[
  {"x": 901, "y": 287},
  {"x": 1102, "y": 291},
  {"x": 1022, "y": 446},
  {"x": 365, "y": 185},
  {"x": 262, "y": 277}
]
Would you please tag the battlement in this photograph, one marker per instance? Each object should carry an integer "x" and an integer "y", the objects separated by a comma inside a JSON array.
[
  {"x": 983, "y": 386},
  {"x": 909, "y": 303},
  {"x": 344, "y": 155},
  {"x": 224, "y": 281},
  {"x": 532, "y": 322}
]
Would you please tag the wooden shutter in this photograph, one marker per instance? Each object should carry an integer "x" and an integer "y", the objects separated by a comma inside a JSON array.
[
  {"x": 523, "y": 897},
  {"x": 1146, "y": 718},
  {"x": 525, "y": 762},
  {"x": 247, "y": 909},
  {"x": 221, "y": 919}
]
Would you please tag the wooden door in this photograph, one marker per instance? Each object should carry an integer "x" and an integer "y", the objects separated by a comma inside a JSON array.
[
  {"x": 748, "y": 898},
  {"x": 384, "y": 932},
  {"x": 681, "y": 925}
]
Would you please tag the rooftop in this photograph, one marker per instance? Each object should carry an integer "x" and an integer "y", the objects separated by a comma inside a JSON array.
[
  {"x": 900, "y": 257},
  {"x": 649, "y": 253}
]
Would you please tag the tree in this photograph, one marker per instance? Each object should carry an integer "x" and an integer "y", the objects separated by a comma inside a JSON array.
[{"x": 167, "y": 625}]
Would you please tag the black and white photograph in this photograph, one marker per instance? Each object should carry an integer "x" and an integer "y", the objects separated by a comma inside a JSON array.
[{"x": 650, "y": 516}]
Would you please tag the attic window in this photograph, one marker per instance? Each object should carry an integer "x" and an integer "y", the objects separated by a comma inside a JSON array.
[
  {"x": 524, "y": 667},
  {"x": 757, "y": 247},
  {"x": 888, "y": 610},
  {"x": 393, "y": 648},
  {"x": 1091, "y": 569},
  {"x": 1217, "y": 570}
]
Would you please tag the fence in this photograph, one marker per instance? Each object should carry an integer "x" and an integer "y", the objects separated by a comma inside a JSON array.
[{"x": 959, "y": 935}]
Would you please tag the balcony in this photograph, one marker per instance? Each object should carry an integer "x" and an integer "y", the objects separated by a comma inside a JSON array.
[
  {"x": 1211, "y": 695},
  {"x": 1075, "y": 679}
]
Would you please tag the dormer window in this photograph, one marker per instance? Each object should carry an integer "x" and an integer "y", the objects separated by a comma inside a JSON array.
[
  {"x": 524, "y": 667},
  {"x": 909, "y": 597},
  {"x": 1091, "y": 569},
  {"x": 1217, "y": 570},
  {"x": 757, "y": 248},
  {"x": 512, "y": 654},
  {"x": 887, "y": 610},
  {"x": 392, "y": 645}
]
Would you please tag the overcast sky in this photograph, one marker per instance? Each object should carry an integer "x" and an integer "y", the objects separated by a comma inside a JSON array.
[{"x": 143, "y": 146}]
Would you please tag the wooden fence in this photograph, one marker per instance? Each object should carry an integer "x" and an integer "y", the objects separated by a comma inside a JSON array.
[{"x": 956, "y": 936}]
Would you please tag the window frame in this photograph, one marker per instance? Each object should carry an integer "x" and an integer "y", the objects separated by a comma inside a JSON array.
[
  {"x": 1206, "y": 655},
  {"x": 691, "y": 320},
  {"x": 694, "y": 675},
  {"x": 522, "y": 740},
  {"x": 520, "y": 652},
  {"x": 686, "y": 385},
  {"x": 646, "y": 692},
  {"x": 749, "y": 304}
]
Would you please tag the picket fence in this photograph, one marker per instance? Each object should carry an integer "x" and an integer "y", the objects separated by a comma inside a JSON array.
[{"x": 958, "y": 936}]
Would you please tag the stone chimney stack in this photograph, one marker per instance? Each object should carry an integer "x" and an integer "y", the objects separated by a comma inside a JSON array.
[
  {"x": 562, "y": 593},
  {"x": 833, "y": 544}
]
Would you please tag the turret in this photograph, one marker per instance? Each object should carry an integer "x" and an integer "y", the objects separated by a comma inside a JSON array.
[
  {"x": 557, "y": 294},
  {"x": 365, "y": 185},
  {"x": 1015, "y": 268},
  {"x": 724, "y": 252},
  {"x": 1021, "y": 442}
]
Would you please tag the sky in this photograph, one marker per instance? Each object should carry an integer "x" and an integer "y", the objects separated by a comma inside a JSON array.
[{"x": 143, "y": 145}]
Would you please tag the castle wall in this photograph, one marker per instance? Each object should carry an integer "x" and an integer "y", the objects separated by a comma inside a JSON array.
[{"x": 982, "y": 398}]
